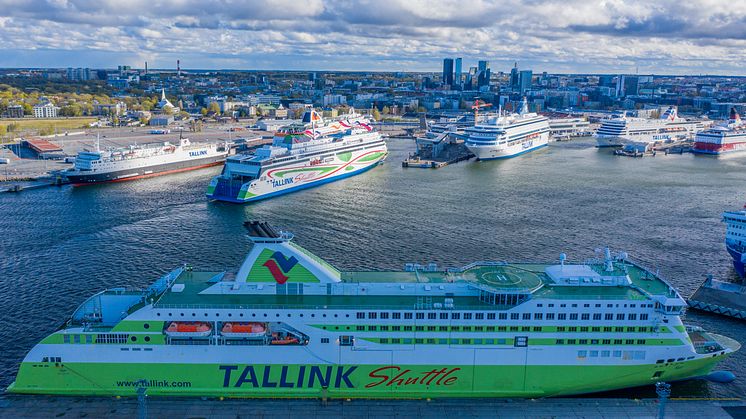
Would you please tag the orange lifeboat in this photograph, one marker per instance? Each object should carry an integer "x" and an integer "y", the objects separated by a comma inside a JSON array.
[
  {"x": 244, "y": 329},
  {"x": 288, "y": 339},
  {"x": 188, "y": 329}
]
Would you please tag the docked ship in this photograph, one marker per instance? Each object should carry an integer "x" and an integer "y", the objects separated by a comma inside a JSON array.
[
  {"x": 735, "y": 238},
  {"x": 503, "y": 136},
  {"x": 620, "y": 129},
  {"x": 724, "y": 138},
  {"x": 289, "y": 324},
  {"x": 144, "y": 160},
  {"x": 303, "y": 155},
  {"x": 727, "y": 297}
]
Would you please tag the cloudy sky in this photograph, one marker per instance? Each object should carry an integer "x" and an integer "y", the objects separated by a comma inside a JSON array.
[{"x": 606, "y": 36}]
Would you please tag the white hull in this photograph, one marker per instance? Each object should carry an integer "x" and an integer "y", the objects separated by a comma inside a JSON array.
[{"x": 511, "y": 149}]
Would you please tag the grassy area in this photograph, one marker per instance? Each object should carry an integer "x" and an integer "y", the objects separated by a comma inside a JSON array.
[{"x": 44, "y": 126}]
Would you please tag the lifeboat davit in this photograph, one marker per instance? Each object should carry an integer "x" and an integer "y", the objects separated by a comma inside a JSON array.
[
  {"x": 189, "y": 329},
  {"x": 244, "y": 330}
]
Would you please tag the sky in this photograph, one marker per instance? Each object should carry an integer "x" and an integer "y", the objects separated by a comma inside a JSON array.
[{"x": 557, "y": 36}]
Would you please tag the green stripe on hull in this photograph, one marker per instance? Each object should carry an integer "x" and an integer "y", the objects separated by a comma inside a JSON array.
[{"x": 363, "y": 381}]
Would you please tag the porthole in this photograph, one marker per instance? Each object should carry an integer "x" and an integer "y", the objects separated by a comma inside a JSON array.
[
  {"x": 277, "y": 315},
  {"x": 253, "y": 314},
  {"x": 241, "y": 314},
  {"x": 301, "y": 314},
  {"x": 147, "y": 338},
  {"x": 146, "y": 326},
  {"x": 158, "y": 314},
  {"x": 217, "y": 314},
  {"x": 313, "y": 315},
  {"x": 170, "y": 314},
  {"x": 133, "y": 338},
  {"x": 289, "y": 315},
  {"x": 230, "y": 315},
  {"x": 194, "y": 314},
  {"x": 265, "y": 314},
  {"x": 181, "y": 314},
  {"x": 347, "y": 315},
  {"x": 323, "y": 315},
  {"x": 335, "y": 315}
]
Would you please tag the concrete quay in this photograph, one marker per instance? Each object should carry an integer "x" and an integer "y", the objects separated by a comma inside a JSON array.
[{"x": 16, "y": 406}]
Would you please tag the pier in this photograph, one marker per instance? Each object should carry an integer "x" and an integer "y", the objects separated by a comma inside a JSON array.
[
  {"x": 725, "y": 298},
  {"x": 94, "y": 407}
]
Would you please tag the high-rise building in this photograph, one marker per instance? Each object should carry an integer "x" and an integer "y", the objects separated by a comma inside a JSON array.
[
  {"x": 483, "y": 73},
  {"x": 457, "y": 76},
  {"x": 78, "y": 74},
  {"x": 514, "y": 80},
  {"x": 606, "y": 80},
  {"x": 525, "y": 80},
  {"x": 627, "y": 85},
  {"x": 448, "y": 71}
]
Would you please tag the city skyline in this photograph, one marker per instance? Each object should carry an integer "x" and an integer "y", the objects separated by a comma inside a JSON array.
[{"x": 704, "y": 37}]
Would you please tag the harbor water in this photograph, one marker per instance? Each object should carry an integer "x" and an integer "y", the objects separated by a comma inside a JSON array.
[{"x": 59, "y": 245}]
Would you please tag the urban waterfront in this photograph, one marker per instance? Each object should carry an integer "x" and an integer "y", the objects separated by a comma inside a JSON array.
[{"x": 62, "y": 245}]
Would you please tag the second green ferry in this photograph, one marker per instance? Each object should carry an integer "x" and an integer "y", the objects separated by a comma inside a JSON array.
[
  {"x": 289, "y": 324},
  {"x": 302, "y": 155}
]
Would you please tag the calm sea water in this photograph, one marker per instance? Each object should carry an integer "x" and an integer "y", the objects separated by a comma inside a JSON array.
[{"x": 60, "y": 245}]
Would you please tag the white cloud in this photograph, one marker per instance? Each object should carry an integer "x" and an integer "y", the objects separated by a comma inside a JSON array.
[{"x": 571, "y": 35}]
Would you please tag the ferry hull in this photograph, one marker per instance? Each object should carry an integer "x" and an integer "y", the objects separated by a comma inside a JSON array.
[
  {"x": 718, "y": 149},
  {"x": 604, "y": 141},
  {"x": 146, "y": 171},
  {"x": 303, "y": 177},
  {"x": 738, "y": 265},
  {"x": 492, "y": 152},
  {"x": 331, "y": 380}
]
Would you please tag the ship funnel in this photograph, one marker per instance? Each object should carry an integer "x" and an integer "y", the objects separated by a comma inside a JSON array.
[
  {"x": 275, "y": 259},
  {"x": 563, "y": 258},
  {"x": 734, "y": 116}
]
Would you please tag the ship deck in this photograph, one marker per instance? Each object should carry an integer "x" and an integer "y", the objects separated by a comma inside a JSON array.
[{"x": 507, "y": 278}]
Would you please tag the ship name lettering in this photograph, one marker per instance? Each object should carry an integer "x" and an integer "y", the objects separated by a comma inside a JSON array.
[
  {"x": 197, "y": 153},
  {"x": 385, "y": 376},
  {"x": 283, "y": 182},
  {"x": 317, "y": 376}
]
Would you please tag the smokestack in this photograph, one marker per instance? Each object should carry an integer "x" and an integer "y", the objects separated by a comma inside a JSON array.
[
  {"x": 146, "y": 67},
  {"x": 178, "y": 68}
]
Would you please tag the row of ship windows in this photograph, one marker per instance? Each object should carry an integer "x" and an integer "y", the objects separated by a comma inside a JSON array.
[
  {"x": 605, "y": 329},
  {"x": 469, "y": 316},
  {"x": 102, "y": 338},
  {"x": 441, "y": 341},
  {"x": 504, "y": 316}
]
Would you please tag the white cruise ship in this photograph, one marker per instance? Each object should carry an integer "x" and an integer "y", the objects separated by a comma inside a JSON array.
[
  {"x": 301, "y": 155},
  {"x": 620, "y": 129},
  {"x": 503, "y": 136},
  {"x": 144, "y": 160},
  {"x": 725, "y": 138}
]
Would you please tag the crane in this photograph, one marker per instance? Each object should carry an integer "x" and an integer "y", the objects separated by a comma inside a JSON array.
[{"x": 476, "y": 107}]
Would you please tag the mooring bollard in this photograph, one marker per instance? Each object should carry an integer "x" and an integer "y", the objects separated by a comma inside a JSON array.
[
  {"x": 142, "y": 404},
  {"x": 663, "y": 390}
]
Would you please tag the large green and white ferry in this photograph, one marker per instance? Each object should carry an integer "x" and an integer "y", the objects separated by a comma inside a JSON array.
[
  {"x": 310, "y": 153},
  {"x": 288, "y": 324}
]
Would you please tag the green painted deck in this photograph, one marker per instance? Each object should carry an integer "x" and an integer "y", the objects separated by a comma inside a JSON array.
[{"x": 508, "y": 278}]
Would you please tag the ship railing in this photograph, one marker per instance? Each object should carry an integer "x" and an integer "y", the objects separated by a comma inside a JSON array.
[{"x": 476, "y": 264}]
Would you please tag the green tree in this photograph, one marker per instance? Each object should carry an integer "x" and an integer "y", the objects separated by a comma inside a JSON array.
[
  {"x": 376, "y": 114},
  {"x": 27, "y": 109},
  {"x": 386, "y": 110},
  {"x": 203, "y": 111},
  {"x": 214, "y": 108}
]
